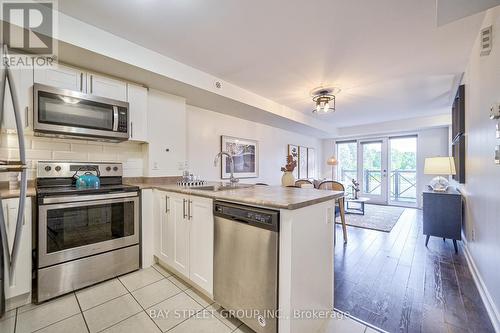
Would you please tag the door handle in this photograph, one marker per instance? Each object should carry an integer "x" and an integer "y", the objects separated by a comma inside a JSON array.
[
  {"x": 190, "y": 203},
  {"x": 26, "y": 119},
  {"x": 81, "y": 81},
  {"x": 184, "y": 208},
  {"x": 167, "y": 209},
  {"x": 91, "y": 84},
  {"x": 131, "y": 129}
]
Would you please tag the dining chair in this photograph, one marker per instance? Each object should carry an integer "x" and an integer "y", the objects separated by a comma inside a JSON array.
[
  {"x": 301, "y": 182},
  {"x": 340, "y": 204}
]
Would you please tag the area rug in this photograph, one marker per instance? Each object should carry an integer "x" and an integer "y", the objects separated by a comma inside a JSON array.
[{"x": 377, "y": 217}]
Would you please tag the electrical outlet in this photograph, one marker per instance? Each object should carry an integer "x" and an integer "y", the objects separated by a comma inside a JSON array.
[
  {"x": 330, "y": 216},
  {"x": 181, "y": 166},
  {"x": 156, "y": 166}
]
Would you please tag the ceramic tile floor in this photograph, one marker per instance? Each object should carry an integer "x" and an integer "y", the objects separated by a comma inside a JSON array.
[{"x": 124, "y": 304}]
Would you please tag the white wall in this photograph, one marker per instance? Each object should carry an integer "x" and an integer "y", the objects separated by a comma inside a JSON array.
[
  {"x": 204, "y": 130},
  {"x": 482, "y": 187},
  {"x": 431, "y": 143},
  {"x": 165, "y": 154}
]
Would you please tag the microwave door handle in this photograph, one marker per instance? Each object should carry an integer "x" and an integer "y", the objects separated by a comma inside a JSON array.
[{"x": 115, "y": 118}]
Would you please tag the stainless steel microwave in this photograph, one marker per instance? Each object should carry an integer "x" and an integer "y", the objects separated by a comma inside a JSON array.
[{"x": 67, "y": 113}]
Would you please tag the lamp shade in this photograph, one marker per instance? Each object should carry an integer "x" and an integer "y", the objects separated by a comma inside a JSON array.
[
  {"x": 332, "y": 161},
  {"x": 440, "y": 166}
]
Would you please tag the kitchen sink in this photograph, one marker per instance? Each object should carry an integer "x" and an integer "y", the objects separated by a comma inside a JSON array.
[{"x": 222, "y": 187}]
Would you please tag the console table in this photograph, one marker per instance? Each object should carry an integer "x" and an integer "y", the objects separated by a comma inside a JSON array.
[{"x": 442, "y": 214}]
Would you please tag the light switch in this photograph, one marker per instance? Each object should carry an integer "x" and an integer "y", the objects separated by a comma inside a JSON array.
[{"x": 495, "y": 111}]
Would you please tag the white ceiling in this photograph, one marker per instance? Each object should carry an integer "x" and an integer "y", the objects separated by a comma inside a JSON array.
[{"x": 389, "y": 57}]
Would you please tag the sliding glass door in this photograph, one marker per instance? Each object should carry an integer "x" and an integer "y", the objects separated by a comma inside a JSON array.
[
  {"x": 385, "y": 169},
  {"x": 372, "y": 175},
  {"x": 403, "y": 170}
]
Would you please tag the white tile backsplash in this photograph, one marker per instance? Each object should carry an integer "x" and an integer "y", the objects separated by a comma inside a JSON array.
[{"x": 42, "y": 148}]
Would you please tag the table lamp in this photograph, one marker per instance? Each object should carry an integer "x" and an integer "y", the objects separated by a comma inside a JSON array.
[
  {"x": 333, "y": 162},
  {"x": 439, "y": 166}
]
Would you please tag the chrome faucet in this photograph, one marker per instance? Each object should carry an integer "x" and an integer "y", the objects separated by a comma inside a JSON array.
[{"x": 232, "y": 179}]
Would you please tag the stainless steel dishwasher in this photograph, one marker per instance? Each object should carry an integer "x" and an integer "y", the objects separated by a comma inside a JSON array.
[{"x": 246, "y": 264}]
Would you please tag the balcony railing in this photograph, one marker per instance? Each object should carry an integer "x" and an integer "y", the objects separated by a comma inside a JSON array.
[{"x": 403, "y": 183}]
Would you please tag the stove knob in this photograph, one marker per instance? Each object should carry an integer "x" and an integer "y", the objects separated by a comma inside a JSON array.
[
  {"x": 115, "y": 169},
  {"x": 58, "y": 168},
  {"x": 108, "y": 168},
  {"x": 48, "y": 168}
]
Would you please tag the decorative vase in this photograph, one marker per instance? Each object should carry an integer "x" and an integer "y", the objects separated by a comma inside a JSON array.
[{"x": 288, "y": 179}]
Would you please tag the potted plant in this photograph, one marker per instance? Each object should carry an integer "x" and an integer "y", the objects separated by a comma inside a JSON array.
[{"x": 288, "y": 179}]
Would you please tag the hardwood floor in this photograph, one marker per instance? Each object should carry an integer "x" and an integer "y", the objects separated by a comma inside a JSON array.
[{"x": 392, "y": 281}]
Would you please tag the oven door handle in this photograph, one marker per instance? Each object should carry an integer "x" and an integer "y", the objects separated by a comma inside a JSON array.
[{"x": 83, "y": 198}]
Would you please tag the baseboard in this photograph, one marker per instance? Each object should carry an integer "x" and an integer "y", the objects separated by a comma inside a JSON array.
[{"x": 483, "y": 291}]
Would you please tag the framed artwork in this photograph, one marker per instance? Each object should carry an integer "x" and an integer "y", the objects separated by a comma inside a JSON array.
[
  {"x": 311, "y": 163},
  {"x": 302, "y": 162},
  {"x": 245, "y": 154},
  {"x": 294, "y": 151}
]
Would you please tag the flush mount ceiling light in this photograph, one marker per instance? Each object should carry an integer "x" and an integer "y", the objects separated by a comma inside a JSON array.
[{"x": 324, "y": 97}]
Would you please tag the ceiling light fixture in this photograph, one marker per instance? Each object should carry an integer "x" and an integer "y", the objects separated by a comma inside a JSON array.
[{"x": 324, "y": 99}]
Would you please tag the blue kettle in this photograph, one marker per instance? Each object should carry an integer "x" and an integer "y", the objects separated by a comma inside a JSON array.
[{"x": 88, "y": 179}]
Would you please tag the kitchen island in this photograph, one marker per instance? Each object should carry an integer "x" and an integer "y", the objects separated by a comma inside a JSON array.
[{"x": 183, "y": 241}]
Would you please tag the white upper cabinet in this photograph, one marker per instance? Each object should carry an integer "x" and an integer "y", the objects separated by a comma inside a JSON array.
[
  {"x": 22, "y": 273},
  {"x": 138, "y": 112},
  {"x": 65, "y": 77},
  {"x": 23, "y": 81},
  {"x": 61, "y": 76},
  {"x": 103, "y": 86}
]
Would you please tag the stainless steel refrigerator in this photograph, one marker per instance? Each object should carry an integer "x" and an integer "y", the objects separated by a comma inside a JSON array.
[{"x": 8, "y": 258}]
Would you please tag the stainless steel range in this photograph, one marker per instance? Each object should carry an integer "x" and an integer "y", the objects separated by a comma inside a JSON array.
[{"x": 84, "y": 236}]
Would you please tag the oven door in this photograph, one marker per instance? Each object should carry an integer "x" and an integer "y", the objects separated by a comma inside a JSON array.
[{"x": 94, "y": 224}]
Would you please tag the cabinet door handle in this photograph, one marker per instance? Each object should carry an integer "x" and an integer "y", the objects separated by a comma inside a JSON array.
[
  {"x": 190, "y": 203},
  {"x": 81, "y": 81},
  {"x": 131, "y": 129},
  {"x": 167, "y": 209},
  {"x": 26, "y": 110},
  {"x": 91, "y": 84},
  {"x": 184, "y": 208}
]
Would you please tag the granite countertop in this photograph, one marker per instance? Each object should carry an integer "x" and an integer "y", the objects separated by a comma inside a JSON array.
[
  {"x": 6, "y": 193},
  {"x": 258, "y": 195}
]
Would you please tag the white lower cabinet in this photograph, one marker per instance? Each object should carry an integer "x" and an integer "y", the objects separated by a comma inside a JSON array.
[
  {"x": 21, "y": 283},
  {"x": 184, "y": 236},
  {"x": 201, "y": 242}
]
